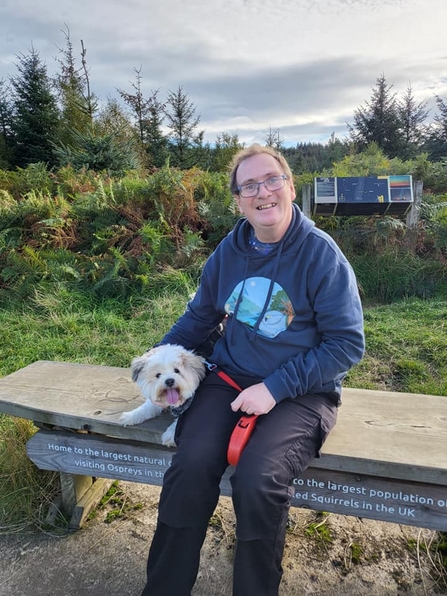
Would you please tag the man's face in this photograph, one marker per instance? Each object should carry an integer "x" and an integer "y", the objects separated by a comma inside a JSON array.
[{"x": 269, "y": 212}]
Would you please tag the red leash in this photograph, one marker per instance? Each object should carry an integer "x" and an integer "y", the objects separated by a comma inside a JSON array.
[
  {"x": 240, "y": 437},
  {"x": 245, "y": 426}
]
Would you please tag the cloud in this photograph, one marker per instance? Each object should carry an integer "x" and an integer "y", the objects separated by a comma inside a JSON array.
[{"x": 302, "y": 66}]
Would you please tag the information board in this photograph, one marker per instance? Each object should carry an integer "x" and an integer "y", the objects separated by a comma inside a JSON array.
[{"x": 368, "y": 195}]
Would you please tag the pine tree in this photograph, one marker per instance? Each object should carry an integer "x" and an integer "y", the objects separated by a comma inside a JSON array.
[
  {"x": 138, "y": 104},
  {"x": 185, "y": 142},
  {"x": 36, "y": 116},
  {"x": 412, "y": 117},
  {"x": 379, "y": 121},
  {"x": 149, "y": 116},
  {"x": 157, "y": 143},
  {"x": 437, "y": 138},
  {"x": 113, "y": 120},
  {"x": 111, "y": 145},
  {"x": 6, "y": 127},
  {"x": 104, "y": 152},
  {"x": 71, "y": 85},
  {"x": 274, "y": 140},
  {"x": 91, "y": 100},
  {"x": 226, "y": 146}
]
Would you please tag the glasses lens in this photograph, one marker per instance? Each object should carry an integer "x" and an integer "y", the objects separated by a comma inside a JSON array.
[
  {"x": 274, "y": 183},
  {"x": 252, "y": 188},
  {"x": 249, "y": 190}
]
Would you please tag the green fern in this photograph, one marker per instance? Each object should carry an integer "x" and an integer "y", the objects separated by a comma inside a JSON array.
[
  {"x": 115, "y": 279},
  {"x": 434, "y": 216}
]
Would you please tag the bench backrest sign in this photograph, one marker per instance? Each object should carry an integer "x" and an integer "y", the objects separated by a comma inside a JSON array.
[{"x": 374, "y": 497}]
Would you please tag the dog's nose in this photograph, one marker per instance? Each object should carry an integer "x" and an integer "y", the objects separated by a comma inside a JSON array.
[{"x": 169, "y": 382}]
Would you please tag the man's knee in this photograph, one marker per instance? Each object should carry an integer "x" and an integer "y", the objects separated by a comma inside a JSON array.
[
  {"x": 261, "y": 502},
  {"x": 250, "y": 479}
]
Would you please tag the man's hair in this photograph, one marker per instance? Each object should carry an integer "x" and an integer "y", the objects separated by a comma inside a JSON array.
[{"x": 255, "y": 149}]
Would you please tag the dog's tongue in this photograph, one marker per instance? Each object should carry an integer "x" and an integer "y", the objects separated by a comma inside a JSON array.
[{"x": 172, "y": 396}]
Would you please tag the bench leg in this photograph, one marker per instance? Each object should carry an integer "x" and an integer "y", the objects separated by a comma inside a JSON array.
[{"x": 80, "y": 495}]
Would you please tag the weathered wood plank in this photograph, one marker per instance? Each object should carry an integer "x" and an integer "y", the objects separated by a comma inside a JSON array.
[
  {"x": 384, "y": 499},
  {"x": 400, "y": 435},
  {"x": 361, "y": 495},
  {"x": 77, "y": 396},
  {"x": 88, "y": 502},
  {"x": 73, "y": 488}
]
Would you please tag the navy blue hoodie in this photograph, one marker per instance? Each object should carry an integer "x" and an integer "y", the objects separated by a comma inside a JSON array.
[{"x": 294, "y": 315}]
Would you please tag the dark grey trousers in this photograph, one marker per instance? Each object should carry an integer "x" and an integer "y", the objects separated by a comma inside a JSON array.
[{"x": 283, "y": 444}]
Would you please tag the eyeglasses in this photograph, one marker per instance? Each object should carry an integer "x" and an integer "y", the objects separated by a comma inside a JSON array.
[{"x": 251, "y": 189}]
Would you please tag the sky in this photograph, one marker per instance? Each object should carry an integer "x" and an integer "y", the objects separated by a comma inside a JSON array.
[{"x": 249, "y": 66}]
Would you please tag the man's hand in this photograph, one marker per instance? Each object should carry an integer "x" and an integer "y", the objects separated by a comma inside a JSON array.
[{"x": 256, "y": 399}]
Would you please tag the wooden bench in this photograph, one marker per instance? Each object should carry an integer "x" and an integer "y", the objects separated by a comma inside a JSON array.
[{"x": 386, "y": 459}]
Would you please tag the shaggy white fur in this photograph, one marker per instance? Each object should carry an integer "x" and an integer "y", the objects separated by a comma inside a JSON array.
[{"x": 167, "y": 376}]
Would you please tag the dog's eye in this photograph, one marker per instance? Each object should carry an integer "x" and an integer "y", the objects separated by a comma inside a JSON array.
[
  {"x": 158, "y": 375},
  {"x": 176, "y": 370}
]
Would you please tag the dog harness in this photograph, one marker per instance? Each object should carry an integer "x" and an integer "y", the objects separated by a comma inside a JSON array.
[{"x": 245, "y": 426}]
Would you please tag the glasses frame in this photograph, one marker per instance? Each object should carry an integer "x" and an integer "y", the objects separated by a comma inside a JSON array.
[{"x": 240, "y": 189}]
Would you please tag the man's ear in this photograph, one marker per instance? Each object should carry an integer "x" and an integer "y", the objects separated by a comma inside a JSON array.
[
  {"x": 238, "y": 203},
  {"x": 292, "y": 189}
]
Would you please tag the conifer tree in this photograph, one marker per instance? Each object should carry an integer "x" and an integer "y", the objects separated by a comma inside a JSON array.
[
  {"x": 105, "y": 152},
  {"x": 91, "y": 101},
  {"x": 379, "y": 121},
  {"x": 226, "y": 146},
  {"x": 36, "y": 116},
  {"x": 185, "y": 143},
  {"x": 274, "y": 140},
  {"x": 71, "y": 85},
  {"x": 6, "y": 127},
  {"x": 412, "y": 117},
  {"x": 149, "y": 116},
  {"x": 437, "y": 138},
  {"x": 157, "y": 143}
]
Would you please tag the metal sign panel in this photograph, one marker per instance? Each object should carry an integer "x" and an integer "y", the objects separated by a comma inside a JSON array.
[{"x": 363, "y": 195}]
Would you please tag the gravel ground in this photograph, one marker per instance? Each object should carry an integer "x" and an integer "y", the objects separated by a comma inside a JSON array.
[{"x": 345, "y": 556}]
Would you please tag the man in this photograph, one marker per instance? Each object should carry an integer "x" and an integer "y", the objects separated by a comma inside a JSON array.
[{"x": 294, "y": 328}]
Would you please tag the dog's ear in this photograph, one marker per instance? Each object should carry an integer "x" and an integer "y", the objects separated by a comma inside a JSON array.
[
  {"x": 137, "y": 366},
  {"x": 194, "y": 362}
]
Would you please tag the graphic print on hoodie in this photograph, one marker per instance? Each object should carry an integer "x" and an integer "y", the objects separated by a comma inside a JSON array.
[{"x": 270, "y": 318}]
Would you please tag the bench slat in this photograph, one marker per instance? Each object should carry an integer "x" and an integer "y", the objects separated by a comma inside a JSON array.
[{"x": 373, "y": 497}]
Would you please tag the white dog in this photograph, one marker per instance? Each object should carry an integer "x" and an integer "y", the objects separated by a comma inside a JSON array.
[{"x": 168, "y": 377}]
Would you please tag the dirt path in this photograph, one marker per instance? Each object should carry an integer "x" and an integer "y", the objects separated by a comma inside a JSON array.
[{"x": 341, "y": 557}]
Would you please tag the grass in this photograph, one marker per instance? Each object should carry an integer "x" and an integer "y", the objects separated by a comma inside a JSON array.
[
  {"x": 355, "y": 553},
  {"x": 116, "y": 502},
  {"x": 80, "y": 329},
  {"x": 406, "y": 348},
  {"x": 25, "y": 491},
  {"x": 320, "y": 530}
]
